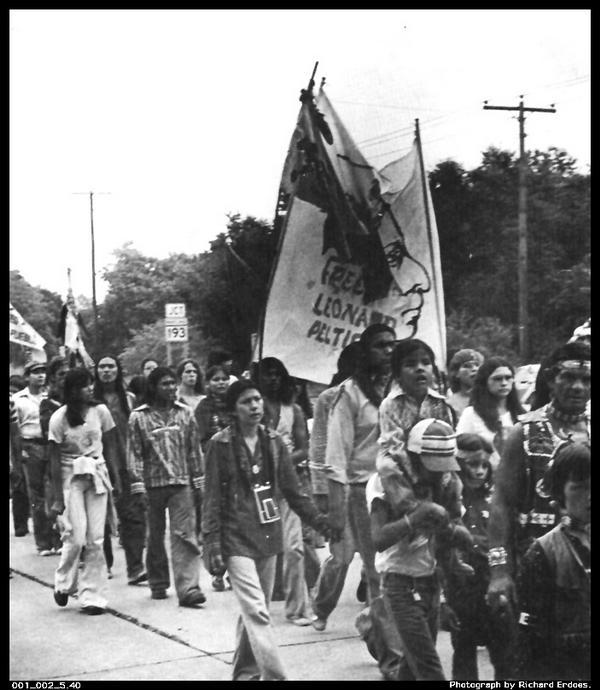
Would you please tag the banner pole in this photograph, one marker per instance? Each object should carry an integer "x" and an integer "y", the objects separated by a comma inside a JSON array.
[
  {"x": 261, "y": 327},
  {"x": 429, "y": 235}
]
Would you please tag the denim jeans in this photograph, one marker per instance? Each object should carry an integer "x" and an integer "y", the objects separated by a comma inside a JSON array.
[
  {"x": 357, "y": 537},
  {"x": 35, "y": 465},
  {"x": 185, "y": 554},
  {"x": 297, "y": 603},
  {"x": 415, "y": 603},
  {"x": 256, "y": 655},
  {"x": 82, "y": 524},
  {"x": 131, "y": 510},
  {"x": 312, "y": 562}
]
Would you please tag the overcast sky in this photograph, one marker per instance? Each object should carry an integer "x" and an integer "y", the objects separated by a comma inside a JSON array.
[{"x": 175, "y": 118}]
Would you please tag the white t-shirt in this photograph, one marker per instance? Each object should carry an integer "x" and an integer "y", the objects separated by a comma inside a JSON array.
[
  {"x": 85, "y": 439},
  {"x": 471, "y": 423}
]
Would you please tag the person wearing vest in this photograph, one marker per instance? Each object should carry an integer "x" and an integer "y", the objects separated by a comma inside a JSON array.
[
  {"x": 554, "y": 581},
  {"x": 521, "y": 510},
  {"x": 286, "y": 417},
  {"x": 248, "y": 475}
]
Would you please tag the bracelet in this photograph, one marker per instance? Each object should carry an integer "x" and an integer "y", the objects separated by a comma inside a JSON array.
[{"x": 497, "y": 556}]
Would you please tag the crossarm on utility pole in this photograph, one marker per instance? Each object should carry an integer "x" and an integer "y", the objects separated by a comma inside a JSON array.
[{"x": 522, "y": 215}]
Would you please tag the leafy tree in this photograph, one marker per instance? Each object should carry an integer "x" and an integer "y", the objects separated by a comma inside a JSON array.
[
  {"x": 484, "y": 333},
  {"x": 149, "y": 341},
  {"x": 476, "y": 214},
  {"x": 238, "y": 269}
]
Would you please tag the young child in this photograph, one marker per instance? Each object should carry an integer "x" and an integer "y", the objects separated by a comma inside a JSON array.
[
  {"x": 554, "y": 581},
  {"x": 407, "y": 543},
  {"x": 411, "y": 398},
  {"x": 466, "y": 593}
]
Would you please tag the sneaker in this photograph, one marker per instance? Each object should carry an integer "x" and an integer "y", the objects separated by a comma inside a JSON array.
[
  {"x": 301, "y": 621},
  {"x": 361, "y": 592},
  {"x": 218, "y": 584},
  {"x": 61, "y": 598},
  {"x": 138, "y": 579},
  {"x": 319, "y": 624},
  {"x": 92, "y": 610},
  {"x": 159, "y": 594},
  {"x": 193, "y": 599},
  {"x": 46, "y": 552}
]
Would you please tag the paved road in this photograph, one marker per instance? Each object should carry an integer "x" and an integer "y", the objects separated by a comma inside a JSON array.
[{"x": 142, "y": 639}]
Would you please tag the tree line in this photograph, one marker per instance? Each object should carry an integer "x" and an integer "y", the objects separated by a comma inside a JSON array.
[{"x": 225, "y": 287}]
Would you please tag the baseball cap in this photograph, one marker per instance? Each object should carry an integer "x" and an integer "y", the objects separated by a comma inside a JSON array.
[
  {"x": 435, "y": 442},
  {"x": 30, "y": 366}
]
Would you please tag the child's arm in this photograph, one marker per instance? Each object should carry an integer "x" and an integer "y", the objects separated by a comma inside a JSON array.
[{"x": 427, "y": 518}]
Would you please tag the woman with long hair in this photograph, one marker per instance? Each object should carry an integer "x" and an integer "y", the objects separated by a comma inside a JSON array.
[
  {"x": 210, "y": 412},
  {"x": 248, "y": 473},
  {"x": 81, "y": 443},
  {"x": 191, "y": 384},
  {"x": 212, "y": 416},
  {"x": 495, "y": 405}
]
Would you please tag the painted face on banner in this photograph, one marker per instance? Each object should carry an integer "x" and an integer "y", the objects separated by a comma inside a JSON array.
[{"x": 411, "y": 283}]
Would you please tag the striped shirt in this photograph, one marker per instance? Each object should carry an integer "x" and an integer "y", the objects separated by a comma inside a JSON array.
[
  {"x": 13, "y": 411},
  {"x": 164, "y": 452}
]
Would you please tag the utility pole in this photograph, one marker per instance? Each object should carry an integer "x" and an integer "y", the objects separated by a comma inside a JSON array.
[
  {"x": 94, "y": 302},
  {"x": 522, "y": 253}
]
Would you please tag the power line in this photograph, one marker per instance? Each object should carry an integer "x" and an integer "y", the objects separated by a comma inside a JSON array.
[{"x": 522, "y": 266}]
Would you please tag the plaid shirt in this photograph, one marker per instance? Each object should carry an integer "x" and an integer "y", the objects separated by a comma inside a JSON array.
[{"x": 164, "y": 452}]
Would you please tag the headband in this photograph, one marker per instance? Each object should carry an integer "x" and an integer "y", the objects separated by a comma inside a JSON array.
[{"x": 575, "y": 364}]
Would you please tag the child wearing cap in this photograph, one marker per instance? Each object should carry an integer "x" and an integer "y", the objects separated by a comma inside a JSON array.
[{"x": 409, "y": 535}]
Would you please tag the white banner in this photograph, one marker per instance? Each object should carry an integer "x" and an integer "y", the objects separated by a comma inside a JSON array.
[
  {"x": 22, "y": 333},
  {"x": 316, "y": 303}
]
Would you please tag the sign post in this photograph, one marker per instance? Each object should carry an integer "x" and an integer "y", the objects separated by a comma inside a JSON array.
[{"x": 176, "y": 327}]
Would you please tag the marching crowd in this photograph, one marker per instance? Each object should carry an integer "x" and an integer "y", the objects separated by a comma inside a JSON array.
[{"x": 470, "y": 508}]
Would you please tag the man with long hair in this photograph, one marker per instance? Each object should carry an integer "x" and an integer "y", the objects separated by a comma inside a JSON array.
[
  {"x": 164, "y": 460},
  {"x": 109, "y": 388},
  {"x": 351, "y": 453}
]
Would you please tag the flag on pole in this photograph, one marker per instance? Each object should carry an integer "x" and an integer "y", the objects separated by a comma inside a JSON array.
[
  {"x": 22, "y": 333},
  {"x": 70, "y": 327},
  {"x": 356, "y": 249}
]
